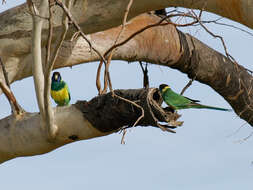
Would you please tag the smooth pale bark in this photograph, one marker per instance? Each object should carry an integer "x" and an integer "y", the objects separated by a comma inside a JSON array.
[
  {"x": 161, "y": 45},
  {"x": 166, "y": 46},
  {"x": 37, "y": 66},
  {"x": 16, "y": 23},
  {"x": 25, "y": 136}
]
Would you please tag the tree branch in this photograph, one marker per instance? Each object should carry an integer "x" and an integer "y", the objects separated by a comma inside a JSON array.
[
  {"x": 37, "y": 65},
  {"x": 49, "y": 116},
  {"x": 15, "y": 107},
  {"x": 171, "y": 48},
  {"x": 107, "y": 65},
  {"x": 79, "y": 122}
]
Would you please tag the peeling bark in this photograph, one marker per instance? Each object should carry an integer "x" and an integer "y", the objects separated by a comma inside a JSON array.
[{"x": 100, "y": 116}]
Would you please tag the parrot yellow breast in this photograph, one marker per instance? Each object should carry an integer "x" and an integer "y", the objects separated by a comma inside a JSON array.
[{"x": 60, "y": 95}]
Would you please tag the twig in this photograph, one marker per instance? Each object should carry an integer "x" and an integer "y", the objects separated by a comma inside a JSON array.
[
  {"x": 131, "y": 102},
  {"x": 136, "y": 122},
  {"x": 237, "y": 130},
  {"x": 156, "y": 121},
  {"x": 228, "y": 25},
  {"x": 245, "y": 138},
  {"x": 159, "y": 23},
  {"x": 215, "y": 36},
  {"x": 112, "y": 48},
  {"x": 107, "y": 74},
  {"x": 145, "y": 75},
  {"x": 49, "y": 66},
  {"x": 98, "y": 84},
  {"x": 107, "y": 65},
  {"x": 69, "y": 15},
  {"x": 123, "y": 137},
  {"x": 187, "y": 85},
  {"x": 49, "y": 39},
  {"x": 15, "y": 107}
]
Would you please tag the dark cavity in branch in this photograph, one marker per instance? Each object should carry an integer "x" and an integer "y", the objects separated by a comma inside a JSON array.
[{"x": 108, "y": 113}]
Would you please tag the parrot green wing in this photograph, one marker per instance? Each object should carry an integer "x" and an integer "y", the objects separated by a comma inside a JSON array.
[
  {"x": 67, "y": 98},
  {"x": 175, "y": 100},
  {"x": 192, "y": 99},
  {"x": 69, "y": 94}
]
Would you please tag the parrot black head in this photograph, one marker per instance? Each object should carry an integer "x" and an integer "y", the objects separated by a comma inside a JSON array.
[
  {"x": 163, "y": 86},
  {"x": 56, "y": 77}
]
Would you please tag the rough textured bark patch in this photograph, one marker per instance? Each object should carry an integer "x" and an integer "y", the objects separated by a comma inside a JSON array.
[
  {"x": 229, "y": 79},
  {"x": 108, "y": 113}
]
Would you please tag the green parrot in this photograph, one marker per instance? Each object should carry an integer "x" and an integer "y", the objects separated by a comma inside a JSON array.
[
  {"x": 177, "y": 102},
  {"x": 59, "y": 90}
]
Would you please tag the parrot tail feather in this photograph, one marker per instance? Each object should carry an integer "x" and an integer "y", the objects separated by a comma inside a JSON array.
[{"x": 211, "y": 107}]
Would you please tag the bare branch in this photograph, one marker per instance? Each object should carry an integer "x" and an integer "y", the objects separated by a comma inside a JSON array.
[
  {"x": 112, "y": 48},
  {"x": 36, "y": 51},
  {"x": 225, "y": 24},
  {"x": 123, "y": 136},
  {"x": 82, "y": 122},
  {"x": 214, "y": 35},
  {"x": 159, "y": 23},
  {"x": 133, "y": 103},
  {"x": 145, "y": 75},
  {"x": 15, "y": 107},
  {"x": 49, "y": 117},
  {"x": 187, "y": 86},
  {"x": 65, "y": 9},
  {"x": 107, "y": 65},
  {"x": 49, "y": 38},
  {"x": 98, "y": 83}
]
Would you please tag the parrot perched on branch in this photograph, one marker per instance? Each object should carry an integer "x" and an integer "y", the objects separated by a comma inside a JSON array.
[
  {"x": 59, "y": 90},
  {"x": 177, "y": 101}
]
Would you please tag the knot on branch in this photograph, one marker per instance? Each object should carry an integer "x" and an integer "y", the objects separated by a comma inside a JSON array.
[{"x": 128, "y": 108}]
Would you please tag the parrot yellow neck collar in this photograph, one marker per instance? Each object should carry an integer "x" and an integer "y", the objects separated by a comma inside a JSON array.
[{"x": 165, "y": 88}]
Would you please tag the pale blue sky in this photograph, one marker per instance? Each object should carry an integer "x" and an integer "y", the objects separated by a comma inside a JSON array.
[{"x": 203, "y": 154}]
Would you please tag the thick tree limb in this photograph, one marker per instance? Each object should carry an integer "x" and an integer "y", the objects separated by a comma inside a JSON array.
[
  {"x": 230, "y": 80},
  {"x": 163, "y": 45},
  {"x": 160, "y": 45},
  {"x": 26, "y": 137},
  {"x": 107, "y": 11}
]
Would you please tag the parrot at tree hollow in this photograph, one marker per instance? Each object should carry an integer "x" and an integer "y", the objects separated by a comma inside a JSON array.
[
  {"x": 59, "y": 90},
  {"x": 177, "y": 101}
]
